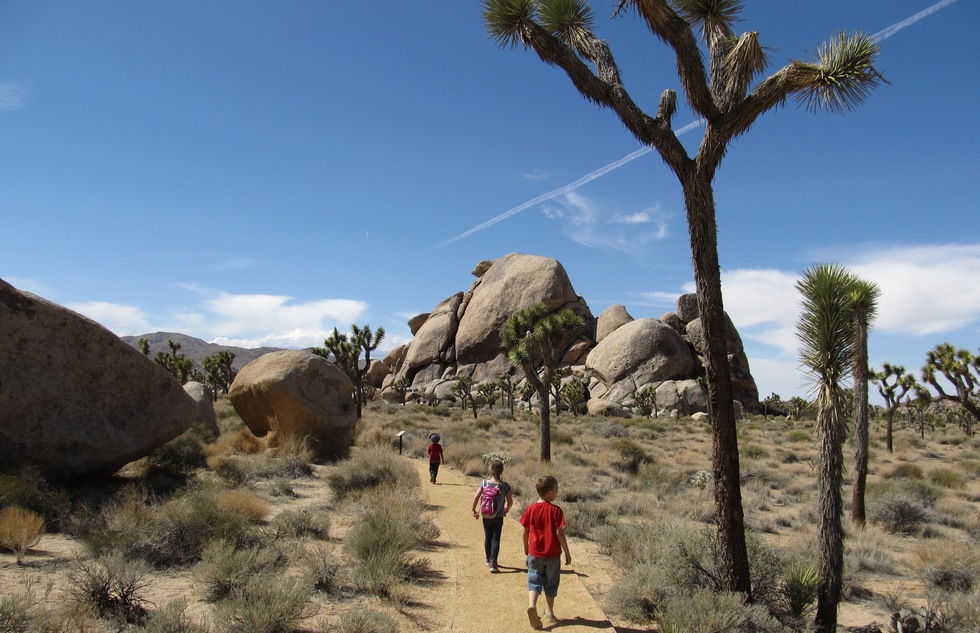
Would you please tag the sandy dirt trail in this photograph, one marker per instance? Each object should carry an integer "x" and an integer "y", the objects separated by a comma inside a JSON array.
[{"x": 484, "y": 602}]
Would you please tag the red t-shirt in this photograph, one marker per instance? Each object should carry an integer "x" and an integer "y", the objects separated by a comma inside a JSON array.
[
  {"x": 543, "y": 519},
  {"x": 435, "y": 453}
]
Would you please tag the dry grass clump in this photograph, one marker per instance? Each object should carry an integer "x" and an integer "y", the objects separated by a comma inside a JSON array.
[
  {"x": 20, "y": 530},
  {"x": 369, "y": 469},
  {"x": 266, "y": 605},
  {"x": 27, "y": 488},
  {"x": 225, "y": 569},
  {"x": 369, "y": 621}
]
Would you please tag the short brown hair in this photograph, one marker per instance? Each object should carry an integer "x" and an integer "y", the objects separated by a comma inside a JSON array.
[{"x": 545, "y": 485}]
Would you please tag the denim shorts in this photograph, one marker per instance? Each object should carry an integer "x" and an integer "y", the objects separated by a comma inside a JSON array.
[{"x": 543, "y": 575}]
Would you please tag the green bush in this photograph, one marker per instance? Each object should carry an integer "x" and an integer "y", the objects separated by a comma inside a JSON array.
[
  {"x": 183, "y": 454},
  {"x": 27, "y": 488},
  {"x": 754, "y": 451}
]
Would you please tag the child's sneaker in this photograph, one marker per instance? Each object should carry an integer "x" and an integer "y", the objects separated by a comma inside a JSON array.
[
  {"x": 493, "y": 568},
  {"x": 532, "y": 616},
  {"x": 550, "y": 619}
]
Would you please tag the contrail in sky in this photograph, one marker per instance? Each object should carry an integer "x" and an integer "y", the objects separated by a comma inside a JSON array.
[
  {"x": 880, "y": 36},
  {"x": 885, "y": 33}
]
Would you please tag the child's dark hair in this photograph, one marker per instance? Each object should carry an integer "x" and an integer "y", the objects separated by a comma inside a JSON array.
[
  {"x": 545, "y": 485},
  {"x": 496, "y": 468}
]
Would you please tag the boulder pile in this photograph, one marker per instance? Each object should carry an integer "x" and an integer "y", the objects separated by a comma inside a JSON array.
[{"x": 616, "y": 356}]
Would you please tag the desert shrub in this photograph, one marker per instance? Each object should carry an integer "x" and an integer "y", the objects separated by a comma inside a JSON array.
[
  {"x": 224, "y": 570},
  {"x": 266, "y": 605},
  {"x": 27, "y": 488},
  {"x": 631, "y": 455},
  {"x": 705, "y": 611},
  {"x": 20, "y": 530},
  {"x": 172, "y": 618},
  {"x": 609, "y": 428},
  {"x": 866, "y": 550},
  {"x": 391, "y": 525},
  {"x": 945, "y": 478},
  {"x": 370, "y": 468},
  {"x": 113, "y": 586},
  {"x": 183, "y": 454},
  {"x": 754, "y": 451},
  {"x": 692, "y": 565},
  {"x": 582, "y": 517},
  {"x": 243, "y": 502},
  {"x": 798, "y": 436},
  {"x": 302, "y": 523},
  {"x": 905, "y": 471},
  {"x": 630, "y": 544},
  {"x": 638, "y": 594},
  {"x": 320, "y": 567},
  {"x": 367, "y": 621},
  {"x": 948, "y": 566},
  {"x": 178, "y": 531},
  {"x": 898, "y": 513}
]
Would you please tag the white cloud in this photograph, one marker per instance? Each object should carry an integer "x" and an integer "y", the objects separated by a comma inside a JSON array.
[
  {"x": 535, "y": 175},
  {"x": 12, "y": 97},
  {"x": 259, "y": 315},
  {"x": 587, "y": 223},
  {"x": 113, "y": 316}
]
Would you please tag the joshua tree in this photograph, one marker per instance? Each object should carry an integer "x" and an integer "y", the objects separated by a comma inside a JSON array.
[
  {"x": 536, "y": 341},
  {"x": 347, "y": 355},
  {"x": 893, "y": 392},
  {"x": 219, "y": 372},
  {"x": 864, "y": 307},
  {"x": 488, "y": 391},
  {"x": 826, "y": 332},
  {"x": 723, "y": 96},
  {"x": 962, "y": 370},
  {"x": 463, "y": 390},
  {"x": 179, "y": 366}
]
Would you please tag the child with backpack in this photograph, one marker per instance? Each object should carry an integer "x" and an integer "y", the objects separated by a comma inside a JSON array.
[
  {"x": 492, "y": 502},
  {"x": 544, "y": 542}
]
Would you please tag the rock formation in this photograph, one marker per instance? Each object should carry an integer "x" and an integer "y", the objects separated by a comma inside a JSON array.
[
  {"x": 616, "y": 355},
  {"x": 295, "y": 393},
  {"x": 205, "y": 405},
  {"x": 75, "y": 399}
]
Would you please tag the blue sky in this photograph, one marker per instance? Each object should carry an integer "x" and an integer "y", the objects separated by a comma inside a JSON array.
[{"x": 256, "y": 173}]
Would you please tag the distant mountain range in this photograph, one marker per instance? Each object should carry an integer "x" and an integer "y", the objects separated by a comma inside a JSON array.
[{"x": 196, "y": 349}]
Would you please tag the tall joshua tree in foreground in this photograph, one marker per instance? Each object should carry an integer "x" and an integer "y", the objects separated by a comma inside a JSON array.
[
  {"x": 723, "y": 95},
  {"x": 827, "y": 335}
]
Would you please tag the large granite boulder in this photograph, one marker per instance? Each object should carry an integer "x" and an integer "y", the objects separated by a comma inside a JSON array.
[
  {"x": 295, "y": 393},
  {"x": 508, "y": 285},
  {"x": 610, "y": 319},
  {"x": 205, "y": 405},
  {"x": 645, "y": 351},
  {"x": 75, "y": 399},
  {"x": 744, "y": 389}
]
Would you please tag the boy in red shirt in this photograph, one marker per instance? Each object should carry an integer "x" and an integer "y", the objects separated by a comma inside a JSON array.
[{"x": 544, "y": 542}]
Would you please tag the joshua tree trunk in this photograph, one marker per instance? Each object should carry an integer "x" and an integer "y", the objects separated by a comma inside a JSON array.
[
  {"x": 699, "y": 200},
  {"x": 831, "y": 537},
  {"x": 860, "y": 433}
]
